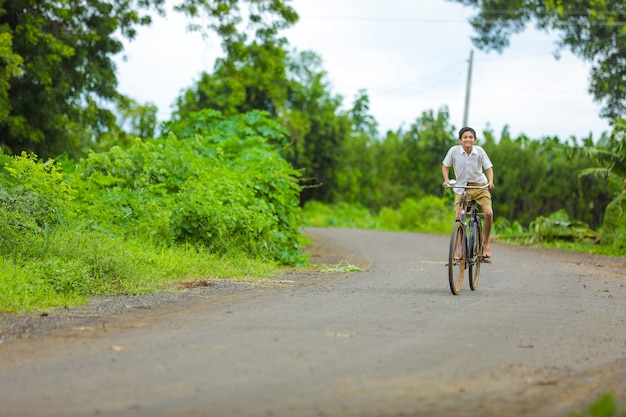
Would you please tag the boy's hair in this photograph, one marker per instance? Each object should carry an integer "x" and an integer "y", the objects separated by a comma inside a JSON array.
[{"x": 467, "y": 129}]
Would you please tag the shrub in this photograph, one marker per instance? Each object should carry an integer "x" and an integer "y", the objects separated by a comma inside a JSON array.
[
  {"x": 218, "y": 183},
  {"x": 34, "y": 199},
  {"x": 428, "y": 215}
]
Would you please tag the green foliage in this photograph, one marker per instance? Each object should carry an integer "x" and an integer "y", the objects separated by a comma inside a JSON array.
[
  {"x": 608, "y": 158},
  {"x": 250, "y": 78},
  {"x": 383, "y": 172},
  {"x": 509, "y": 230},
  {"x": 595, "y": 31},
  {"x": 554, "y": 231},
  {"x": 34, "y": 198},
  {"x": 80, "y": 263},
  {"x": 429, "y": 215},
  {"x": 293, "y": 89},
  {"x": 604, "y": 406},
  {"x": 318, "y": 214},
  {"x": 318, "y": 129},
  {"x": 355, "y": 177},
  {"x": 10, "y": 69},
  {"x": 58, "y": 81},
  {"x": 558, "y": 226},
  {"x": 535, "y": 177},
  {"x": 134, "y": 220},
  {"x": 59, "y": 75},
  {"x": 614, "y": 227},
  {"x": 608, "y": 155},
  {"x": 224, "y": 186},
  {"x": 264, "y": 19},
  {"x": 423, "y": 148}
]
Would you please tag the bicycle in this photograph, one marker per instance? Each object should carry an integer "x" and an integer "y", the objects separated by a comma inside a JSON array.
[{"x": 466, "y": 242}]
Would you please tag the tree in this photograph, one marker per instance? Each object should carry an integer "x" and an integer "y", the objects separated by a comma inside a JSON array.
[
  {"x": 293, "y": 89},
  {"x": 356, "y": 176},
  {"x": 593, "y": 30},
  {"x": 251, "y": 75},
  {"x": 608, "y": 157},
  {"x": 9, "y": 68},
  {"x": 362, "y": 120},
  {"x": 253, "y": 79},
  {"x": 58, "y": 85},
  {"x": 52, "y": 103},
  {"x": 318, "y": 127},
  {"x": 425, "y": 145}
]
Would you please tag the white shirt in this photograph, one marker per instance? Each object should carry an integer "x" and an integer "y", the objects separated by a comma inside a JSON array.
[{"x": 468, "y": 168}]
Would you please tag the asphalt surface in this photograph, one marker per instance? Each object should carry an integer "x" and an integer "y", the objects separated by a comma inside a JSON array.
[{"x": 543, "y": 335}]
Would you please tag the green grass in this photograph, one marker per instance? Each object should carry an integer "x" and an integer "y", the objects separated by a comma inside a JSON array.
[
  {"x": 67, "y": 266},
  {"x": 585, "y": 247},
  {"x": 433, "y": 216},
  {"x": 604, "y": 406},
  {"x": 73, "y": 268}
]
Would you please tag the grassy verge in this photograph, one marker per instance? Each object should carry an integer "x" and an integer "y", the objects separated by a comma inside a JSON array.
[
  {"x": 72, "y": 267},
  {"x": 435, "y": 216}
]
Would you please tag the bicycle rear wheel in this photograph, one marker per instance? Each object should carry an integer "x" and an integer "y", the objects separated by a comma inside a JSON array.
[
  {"x": 456, "y": 258},
  {"x": 476, "y": 253}
]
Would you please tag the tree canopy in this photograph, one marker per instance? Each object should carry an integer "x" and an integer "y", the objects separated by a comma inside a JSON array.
[
  {"x": 58, "y": 83},
  {"x": 593, "y": 30}
]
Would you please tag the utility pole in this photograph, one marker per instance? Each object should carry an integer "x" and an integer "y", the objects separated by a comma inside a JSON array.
[{"x": 467, "y": 90}]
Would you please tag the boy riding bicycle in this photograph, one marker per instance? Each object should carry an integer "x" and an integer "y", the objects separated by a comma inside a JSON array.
[{"x": 468, "y": 161}]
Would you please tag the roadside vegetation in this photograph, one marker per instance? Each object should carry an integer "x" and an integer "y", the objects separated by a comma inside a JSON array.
[
  {"x": 604, "y": 406},
  {"x": 98, "y": 198},
  {"x": 215, "y": 203}
]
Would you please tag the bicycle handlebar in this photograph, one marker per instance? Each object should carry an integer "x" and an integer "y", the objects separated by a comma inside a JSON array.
[{"x": 452, "y": 184}]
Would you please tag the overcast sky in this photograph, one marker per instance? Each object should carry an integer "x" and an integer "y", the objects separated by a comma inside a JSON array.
[{"x": 410, "y": 56}]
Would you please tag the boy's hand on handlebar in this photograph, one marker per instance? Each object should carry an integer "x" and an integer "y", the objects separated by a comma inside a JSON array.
[{"x": 448, "y": 183}]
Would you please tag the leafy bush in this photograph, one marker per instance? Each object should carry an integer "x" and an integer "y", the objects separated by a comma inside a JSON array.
[
  {"x": 614, "y": 225},
  {"x": 557, "y": 226},
  {"x": 33, "y": 199},
  {"x": 137, "y": 220},
  {"x": 390, "y": 219},
  {"x": 353, "y": 216},
  {"x": 218, "y": 183},
  {"x": 428, "y": 215},
  {"x": 604, "y": 406}
]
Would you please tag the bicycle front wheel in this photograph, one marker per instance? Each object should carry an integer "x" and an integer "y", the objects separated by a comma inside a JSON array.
[
  {"x": 476, "y": 252},
  {"x": 456, "y": 258}
]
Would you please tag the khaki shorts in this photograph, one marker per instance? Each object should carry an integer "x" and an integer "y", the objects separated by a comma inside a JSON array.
[{"x": 481, "y": 196}]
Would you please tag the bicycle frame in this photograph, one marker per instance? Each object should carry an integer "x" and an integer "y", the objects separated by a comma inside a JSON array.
[{"x": 466, "y": 242}]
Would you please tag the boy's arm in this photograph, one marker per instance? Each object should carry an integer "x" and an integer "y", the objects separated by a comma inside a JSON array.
[
  {"x": 445, "y": 171},
  {"x": 489, "y": 173}
]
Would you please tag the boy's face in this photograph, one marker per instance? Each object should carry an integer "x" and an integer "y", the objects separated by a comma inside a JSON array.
[{"x": 467, "y": 140}]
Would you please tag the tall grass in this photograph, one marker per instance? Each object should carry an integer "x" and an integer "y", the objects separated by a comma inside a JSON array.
[
  {"x": 77, "y": 265},
  {"x": 212, "y": 199}
]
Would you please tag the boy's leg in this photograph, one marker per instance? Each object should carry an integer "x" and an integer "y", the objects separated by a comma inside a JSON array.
[
  {"x": 488, "y": 215},
  {"x": 457, "y": 206}
]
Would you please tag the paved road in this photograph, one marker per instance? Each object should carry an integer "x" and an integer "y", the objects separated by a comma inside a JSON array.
[{"x": 543, "y": 335}]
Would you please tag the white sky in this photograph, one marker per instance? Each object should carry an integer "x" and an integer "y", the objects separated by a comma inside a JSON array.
[{"x": 410, "y": 56}]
